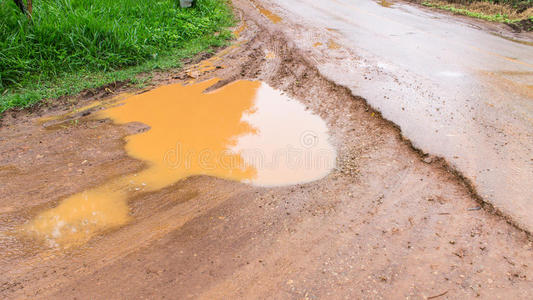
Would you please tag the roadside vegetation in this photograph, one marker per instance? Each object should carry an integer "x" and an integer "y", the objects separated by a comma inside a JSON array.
[
  {"x": 517, "y": 13},
  {"x": 67, "y": 46}
]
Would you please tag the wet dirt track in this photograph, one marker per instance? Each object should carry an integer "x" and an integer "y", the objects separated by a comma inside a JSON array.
[
  {"x": 383, "y": 224},
  {"x": 458, "y": 88}
]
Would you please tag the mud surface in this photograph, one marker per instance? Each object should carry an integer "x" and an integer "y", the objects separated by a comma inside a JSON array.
[{"x": 385, "y": 223}]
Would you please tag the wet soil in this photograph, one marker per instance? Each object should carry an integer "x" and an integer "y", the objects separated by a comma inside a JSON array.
[{"x": 386, "y": 223}]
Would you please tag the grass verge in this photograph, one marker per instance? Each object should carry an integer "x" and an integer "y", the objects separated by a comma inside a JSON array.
[
  {"x": 463, "y": 11},
  {"x": 518, "y": 15},
  {"x": 72, "y": 45}
]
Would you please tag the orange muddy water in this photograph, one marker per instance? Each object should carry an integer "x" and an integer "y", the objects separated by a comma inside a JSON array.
[
  {"x": 267, "y": 13},
  {"x": 385, "y": 3},
  {"x": 333, "y": 45},
  {"x": 245, "y": 131}
]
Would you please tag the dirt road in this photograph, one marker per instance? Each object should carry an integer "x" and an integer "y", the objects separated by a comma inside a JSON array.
[{"x": 385, "y": 222}]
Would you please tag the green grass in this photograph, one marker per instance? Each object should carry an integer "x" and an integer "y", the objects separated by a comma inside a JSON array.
[
  {"x": 72, "y": 45},
  {"x": 517, "y": 4},
  {"x": 494, "y": 18},
  {"x": 502, "y": 18}
]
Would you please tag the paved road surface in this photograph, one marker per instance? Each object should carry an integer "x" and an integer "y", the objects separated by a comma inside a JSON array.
[{"x": 455, "y": 86}]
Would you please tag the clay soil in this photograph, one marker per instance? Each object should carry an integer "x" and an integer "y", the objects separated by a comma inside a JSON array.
[{"x": 389, "y": 222}]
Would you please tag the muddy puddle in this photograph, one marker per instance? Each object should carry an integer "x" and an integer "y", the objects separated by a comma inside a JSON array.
[
  {"x": 385, "y": 3},
  {"x": 245, "y": 131},
  {"x": 237, "y": 33},
  {"x": 267, "y": 13},
  {"x": 333, "y": 45}
]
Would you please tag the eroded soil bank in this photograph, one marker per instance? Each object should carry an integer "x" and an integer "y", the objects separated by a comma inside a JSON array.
[{"x": 386, "y": 223}]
